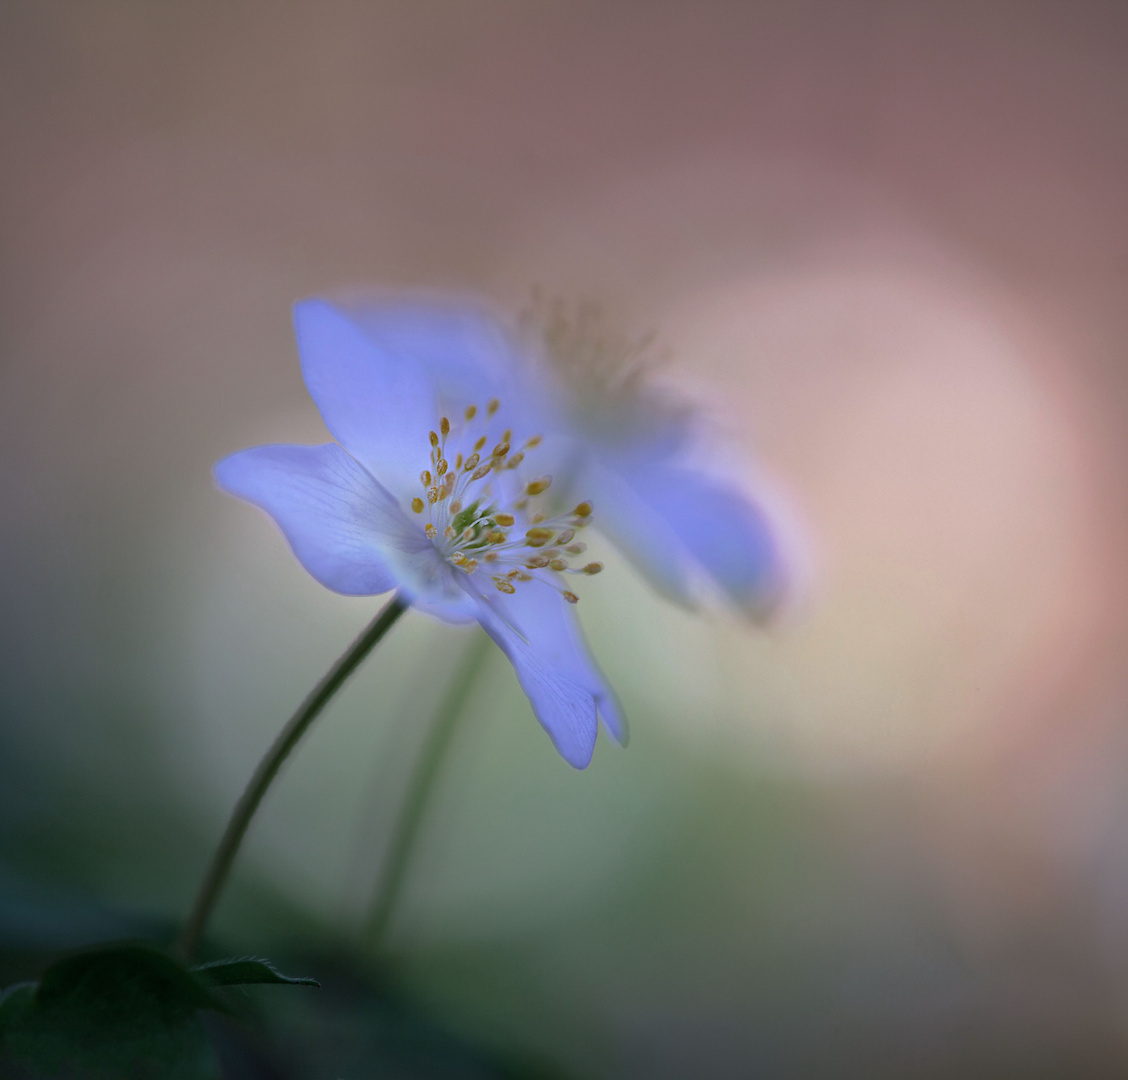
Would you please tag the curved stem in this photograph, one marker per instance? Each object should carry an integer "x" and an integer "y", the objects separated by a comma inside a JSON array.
[
  {"x": 426, "y": 772},
  {"x": 268, "y": 768}
]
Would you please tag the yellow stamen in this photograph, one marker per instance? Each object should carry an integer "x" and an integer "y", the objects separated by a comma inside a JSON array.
[
  {"x": 593, "y": 568},
  {"x": 471, "y": 412},
  {"x": 417, "y": 505}
]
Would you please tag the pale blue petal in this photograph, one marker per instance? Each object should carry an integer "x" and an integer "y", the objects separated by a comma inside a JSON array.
[
  {"x": 432, "y": 585},
  {"x": 640, "y": 530},
  {"x": 704, "y": 523},
  {"x": 382, "y": 374},
  {"x": 537, "y": 630},
  {"x": 340, "y": 522}
]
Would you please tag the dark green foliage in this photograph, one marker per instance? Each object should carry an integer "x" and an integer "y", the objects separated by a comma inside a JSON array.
[
  {"x": 245, "y": 972},
  {"x": 119, "y": 1012}
]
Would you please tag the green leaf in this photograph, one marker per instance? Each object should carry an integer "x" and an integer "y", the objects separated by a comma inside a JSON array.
[
  {"x": 109, "y": 1012},
  {"x": 245, "y": 971},
  {"x": 14, "y": 1002}
]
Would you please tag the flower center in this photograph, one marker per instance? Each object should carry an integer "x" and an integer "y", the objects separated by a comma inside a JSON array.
[{"x": 482, "y": 511}]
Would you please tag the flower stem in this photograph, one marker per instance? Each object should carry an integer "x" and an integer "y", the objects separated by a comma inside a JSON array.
[
  {"x": 268, "y": 768},
  {"x": 393, "y": 872}
]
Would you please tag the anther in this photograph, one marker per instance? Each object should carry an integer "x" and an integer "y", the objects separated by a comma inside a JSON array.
[
  {"x": 504, "y": 586},
  {"x": 537, "y": 518},
  {"x": 432, "y": 495},
  {"x": 558, "y": 564},
  {"x": 504, "y": 519},
  {"x": 576, "y": 549},
  {"x": 480, "y": 443},
  {"x": 425, "y": 476},
  {"x": 537, "y": 536},
  {"x": 434, "y": 438},
  {"x": 492, "y": 407},
  {"x": 490, "y": 556},
  {"x": 417, "y": 505},
  {"x": 481, "y": 470},
  {"x": 501, "y": 449},
  {"x": 571, "y": 597},
  {"x": 536, "y": 562},
  {"x": 444, "y": 426},
  {"x": 471, "y": 463},
  {"x": 538, "y": 485},
  {"x": 496, "y": 536},
  {"x": 534, "y": 441},
  {"x": 455, "y": 506},
  {"x": 515, "y": 460},
  {"x": 471, "y": 412},
  {"x": 430, "y": 530},
  {"x": 458, "y": 460},
  {"x": 442, "y": 467},
  {"x": 565, "y": 536},
  {"x": 583, "y": 510},
  {"x": 593, "y": 568}
]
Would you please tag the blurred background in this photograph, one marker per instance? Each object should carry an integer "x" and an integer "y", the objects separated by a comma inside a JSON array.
[{"x": 886, "y": 245}]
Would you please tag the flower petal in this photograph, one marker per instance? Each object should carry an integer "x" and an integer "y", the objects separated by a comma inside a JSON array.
[
  {"x": 640, "y": 530},
  {"x": 538, "y": 631},
  {"x": 383, "y": 373},
  {"x": 681, "y": 518},
  {"x": 339, "y": 521}
]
